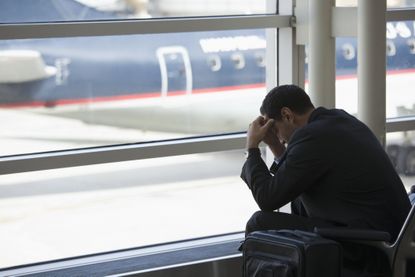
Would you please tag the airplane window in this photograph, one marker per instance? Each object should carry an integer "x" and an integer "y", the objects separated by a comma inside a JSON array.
[
  {"x": 260, "y": 59},
  {"x": 390, "y": 48},
  {"x": 411, "y": 44},
  {"x": 214, "y": 62},
  {"x": 349, "y": 52},
  {"x": 238, "y": 60}
]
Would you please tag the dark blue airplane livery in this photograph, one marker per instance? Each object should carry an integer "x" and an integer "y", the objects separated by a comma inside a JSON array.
[{"x": 50, "y": 72}]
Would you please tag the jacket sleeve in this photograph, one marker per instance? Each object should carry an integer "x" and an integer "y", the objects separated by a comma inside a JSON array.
[{"x": 300, "y": 168}]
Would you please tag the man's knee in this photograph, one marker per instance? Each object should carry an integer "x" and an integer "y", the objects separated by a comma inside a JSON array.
[
  {"x": 261, "y": 221},
  {"x": 253, "y": 224}
]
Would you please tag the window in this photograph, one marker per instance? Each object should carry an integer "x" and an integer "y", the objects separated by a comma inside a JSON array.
[
  {"x": 260, "y": 59},
  {"x": 401, "y": 69},
  {"x": 28, "y": 11},
  {"x": 214, "y": 62},
  {"x": 214, "y": 7},
  {"x": 95, "y": 101},
  {"x": 238, "y": 60},
  {"x": 400, "y": 103},
  {"x": 91, "y": 91},
  {"x": 68, "y": 212}
]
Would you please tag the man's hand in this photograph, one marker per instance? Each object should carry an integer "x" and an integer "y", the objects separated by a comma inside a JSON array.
[
  {"x": 272, "y": 140},
  {"x": 257, "y": 131}
]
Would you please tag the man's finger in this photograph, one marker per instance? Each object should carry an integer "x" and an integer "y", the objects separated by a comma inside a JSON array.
[
  {"x": 269, "y": 123},
  {"x": 258, "y": 120}
]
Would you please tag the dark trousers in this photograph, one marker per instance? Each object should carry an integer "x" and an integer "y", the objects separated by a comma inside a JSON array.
[
  {"x": 358, "y": 260},
  {"x": 298, "y": 219}
]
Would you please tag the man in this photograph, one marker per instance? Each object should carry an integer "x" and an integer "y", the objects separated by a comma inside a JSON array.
[{"x": 333, "y": 170}]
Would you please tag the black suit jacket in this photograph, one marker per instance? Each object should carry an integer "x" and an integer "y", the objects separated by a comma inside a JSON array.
[{"x": 339, "y": 170}]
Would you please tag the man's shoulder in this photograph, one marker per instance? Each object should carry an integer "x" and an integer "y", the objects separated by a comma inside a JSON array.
[
  {"x": 324, "y": 122},
  {"x": 323, "y": 118},
  {"x": 322, "y": 112}
]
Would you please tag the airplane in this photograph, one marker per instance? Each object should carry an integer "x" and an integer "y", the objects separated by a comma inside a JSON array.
[{"x": 143, "y": 81}]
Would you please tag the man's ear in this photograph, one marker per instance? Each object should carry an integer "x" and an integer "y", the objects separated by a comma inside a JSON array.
[{"x": 287, "y": 114}]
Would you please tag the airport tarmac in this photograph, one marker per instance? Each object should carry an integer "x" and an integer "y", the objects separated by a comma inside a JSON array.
[{"x": 53, "y": 226}]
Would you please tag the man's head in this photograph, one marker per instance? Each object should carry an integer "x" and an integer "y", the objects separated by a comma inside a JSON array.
[{"x": 289, "y": 106}]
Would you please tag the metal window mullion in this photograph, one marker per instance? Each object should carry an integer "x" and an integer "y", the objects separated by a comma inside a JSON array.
[
  {"x": 281, "y": 50},
  {"x": 322, "y": 56},
  {"x": 129, "y": 27},
  {"x": 400, "y": 14},
  {"x": 371, "y": 71},
  {"x": 70, "y": 158},
  {"x": 400, "y": 124}
]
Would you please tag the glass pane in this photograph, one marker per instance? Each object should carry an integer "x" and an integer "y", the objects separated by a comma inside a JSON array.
[
  {"x": 90, "y": 91},
  {"x": 400, "y": 51},
  {"x": 12, "y": 11},
  {"x": 391, "y": 3},
  {"x": 75, "y": 211},
  {"x": 401, "y": 150},
  {"x": 400, "y": 58},
  {"x": 211, "y": 7},
  {"x": 346, "y": 74}
]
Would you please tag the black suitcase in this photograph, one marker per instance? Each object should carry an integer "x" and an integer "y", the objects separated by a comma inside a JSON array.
[{"x": 290, "y": 253}]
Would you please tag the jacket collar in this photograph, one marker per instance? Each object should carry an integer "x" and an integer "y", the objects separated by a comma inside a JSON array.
[{"x": 316, "y": 113}]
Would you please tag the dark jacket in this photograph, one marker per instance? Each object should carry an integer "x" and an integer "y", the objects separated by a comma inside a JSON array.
[{"x": 340, "y": 171}]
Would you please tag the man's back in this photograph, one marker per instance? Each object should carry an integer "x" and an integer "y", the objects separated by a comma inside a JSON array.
[{"x": 356, "y": 184}]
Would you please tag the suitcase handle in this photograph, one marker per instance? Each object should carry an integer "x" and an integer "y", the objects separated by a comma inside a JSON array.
[
  {"x": 353, "y": 234},
  {"x": 295, "y": 234}
]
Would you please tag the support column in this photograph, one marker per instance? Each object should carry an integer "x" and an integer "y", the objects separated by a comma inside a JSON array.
[
  {"x": 322, "y": 60},
  {"x": 371, "y": 65}
]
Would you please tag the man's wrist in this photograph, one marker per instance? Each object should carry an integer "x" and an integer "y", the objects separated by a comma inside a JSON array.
[
  {"x": 251, "y": 144},
  {"x": 252, "y": 151},
  {"x": 278, "y": 150}
]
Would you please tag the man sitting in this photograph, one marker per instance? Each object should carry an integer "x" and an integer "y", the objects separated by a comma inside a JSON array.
[{"x": 333, "y": 170}]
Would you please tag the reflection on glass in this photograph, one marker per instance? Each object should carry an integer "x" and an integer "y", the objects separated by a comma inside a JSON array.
[
  {"x": 400, "y": 147},
  {"x": 76, "y": 92},
  {"x": 12, "y": 11},
  {"x": 75, "y": 211}
]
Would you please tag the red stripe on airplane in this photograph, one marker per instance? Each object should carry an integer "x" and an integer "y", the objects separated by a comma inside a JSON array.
[{"x": 124, "y": 97}]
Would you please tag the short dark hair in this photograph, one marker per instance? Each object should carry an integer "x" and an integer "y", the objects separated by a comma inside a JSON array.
[{"x": 290, "y": 96}]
